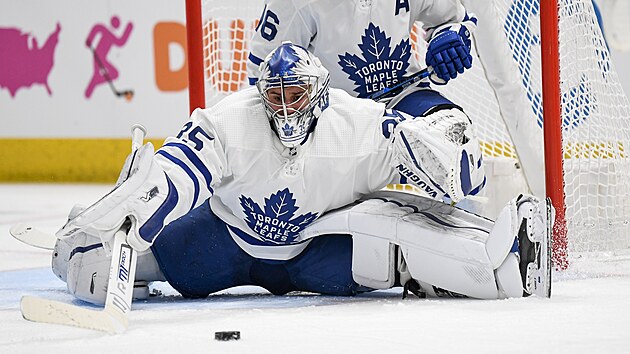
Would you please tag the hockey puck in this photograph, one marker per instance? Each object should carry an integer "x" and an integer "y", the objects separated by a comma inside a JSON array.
[{"x": 227, "y": 335}]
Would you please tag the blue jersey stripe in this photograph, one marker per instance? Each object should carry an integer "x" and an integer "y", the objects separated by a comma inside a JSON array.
[
  {"x": 155, "y": 223},
  {"x": 188, "y": 171},
  {"x": 192, "y": 157},
  {"x": 254, "y": 59}
]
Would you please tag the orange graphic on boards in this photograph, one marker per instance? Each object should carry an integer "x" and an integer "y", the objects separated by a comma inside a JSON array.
[
  {"x": 224, "y": 68},
  {"x": 227, "y": 79},
  {"x": 165, "y": 34}
]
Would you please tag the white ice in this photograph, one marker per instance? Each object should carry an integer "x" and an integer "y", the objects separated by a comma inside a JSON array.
[{"x": 588, "y": 312}]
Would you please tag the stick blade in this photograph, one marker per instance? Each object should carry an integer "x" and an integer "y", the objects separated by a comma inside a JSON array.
[
  {"x": 32, "y": 237},
  {"x": 48, "y": 311}
]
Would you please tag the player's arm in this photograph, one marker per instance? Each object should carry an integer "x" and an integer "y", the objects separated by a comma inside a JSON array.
[
  {"x": 437, "y": 152},
  {"x": 448, "y": 31},
  {"x": 281, "y": 20},
  {"x": 156, "y": 188}
]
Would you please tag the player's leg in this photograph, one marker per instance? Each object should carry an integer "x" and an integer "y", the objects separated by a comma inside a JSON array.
[
  {"x": 325, "y": 267},
  {"x": 198, "y": 256}
]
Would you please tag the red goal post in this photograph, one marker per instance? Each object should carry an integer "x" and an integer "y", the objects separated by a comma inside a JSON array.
[
  {"x": 537, "y": 63},
  {"x": 194, "y": 41},
  {"x": 552, "y": 123}
]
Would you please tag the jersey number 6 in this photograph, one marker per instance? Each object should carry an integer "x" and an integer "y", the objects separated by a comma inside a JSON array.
[{"x": 268, "y": 25}]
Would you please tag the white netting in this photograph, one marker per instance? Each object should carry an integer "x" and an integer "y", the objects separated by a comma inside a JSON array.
[
  {"x": 503, "y": 95},
  {"x": 595, "y": 132},
  {"x": 595, "y": 113},
  {"x": 227, "y": 27}
]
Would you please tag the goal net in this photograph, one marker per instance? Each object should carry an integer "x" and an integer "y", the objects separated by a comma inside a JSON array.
[{"x": 503, "y": 94}]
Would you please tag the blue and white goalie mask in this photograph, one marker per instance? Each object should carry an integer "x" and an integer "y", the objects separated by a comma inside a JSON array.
[{"x": 293, "y": 86}]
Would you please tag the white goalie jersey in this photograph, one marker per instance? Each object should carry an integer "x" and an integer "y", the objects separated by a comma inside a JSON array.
[
  {"x": 268, "y": 193},
  {"x": 364, "y": 44}
]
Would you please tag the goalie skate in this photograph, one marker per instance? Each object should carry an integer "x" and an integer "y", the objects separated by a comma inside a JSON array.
[{"x": 534, "y": 246}]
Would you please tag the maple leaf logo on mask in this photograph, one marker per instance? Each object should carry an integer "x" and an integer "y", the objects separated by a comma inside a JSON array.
[
  {"x": 380, "y": 67},
  {"x": 287, "y": 129},
  {"x": 276, "y": 222}
]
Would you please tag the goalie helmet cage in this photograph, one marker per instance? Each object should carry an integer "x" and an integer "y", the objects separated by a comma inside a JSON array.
[{"x": 533, "y": 60}]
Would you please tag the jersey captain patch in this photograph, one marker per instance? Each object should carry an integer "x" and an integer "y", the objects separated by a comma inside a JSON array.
[
  {"x": 276, "y": 221},
  {"x": 380, "y": 67}
]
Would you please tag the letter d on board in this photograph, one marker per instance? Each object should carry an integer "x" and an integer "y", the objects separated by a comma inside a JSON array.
[{"x": 165, "y": 34}]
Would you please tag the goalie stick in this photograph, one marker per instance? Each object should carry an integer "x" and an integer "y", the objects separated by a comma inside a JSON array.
[
  {"x": 32, "y": 236},
  {"x": 114, "y": 316},
  {"x": 122, "y": 272},
  {"x": 399, "y": 87}
]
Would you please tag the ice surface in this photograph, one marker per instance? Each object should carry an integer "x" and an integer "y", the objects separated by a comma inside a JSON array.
[{"x": 586, "y": 314}]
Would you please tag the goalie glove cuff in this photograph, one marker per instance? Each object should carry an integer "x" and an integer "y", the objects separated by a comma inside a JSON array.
[{"x": 467, "y": 176}]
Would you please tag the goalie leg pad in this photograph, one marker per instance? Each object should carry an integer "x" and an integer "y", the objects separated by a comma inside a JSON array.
[
  {"x": 88, "y": 269},
  {"x": 63, "y": 248},
  {"x": 508, "y": 277},
  {"x": 373, "y": 261},
  {"x": 441, "y": 245},
  {"x": 88, "y": 266},
  {"x": 446, "y": 247}
]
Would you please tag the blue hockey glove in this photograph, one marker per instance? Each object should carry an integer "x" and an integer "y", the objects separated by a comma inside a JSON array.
[{"x": 448, "y": 52}]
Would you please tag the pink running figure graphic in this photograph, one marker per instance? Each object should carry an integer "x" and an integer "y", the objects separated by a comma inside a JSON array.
[{"x": 104, "y": 71}]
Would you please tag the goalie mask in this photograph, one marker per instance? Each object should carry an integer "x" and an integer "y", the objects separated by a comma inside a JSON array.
[{"x": 293, "y": 86}]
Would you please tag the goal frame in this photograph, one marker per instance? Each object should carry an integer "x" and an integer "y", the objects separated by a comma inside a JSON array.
[
  {"x": 194, "y": 51},
  {"x": 552, "y": 123}
]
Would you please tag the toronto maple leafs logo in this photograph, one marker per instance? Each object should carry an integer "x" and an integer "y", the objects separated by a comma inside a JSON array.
[
  {"x": 380, "y": 67},
  {"x": 276, "y": 223},
  {"x": 287, "y": 129}
]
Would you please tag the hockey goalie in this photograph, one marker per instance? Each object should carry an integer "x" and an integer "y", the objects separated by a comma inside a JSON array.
[{"x": 278, "y": 185}]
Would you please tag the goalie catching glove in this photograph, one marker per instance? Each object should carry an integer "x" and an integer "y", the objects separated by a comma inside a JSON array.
[
  {"x": 439, "y": 154},
  {"x": 146, "y": 196}
]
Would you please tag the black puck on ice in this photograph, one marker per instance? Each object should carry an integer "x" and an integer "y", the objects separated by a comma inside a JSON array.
[{"x": 227, "y": 335}]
